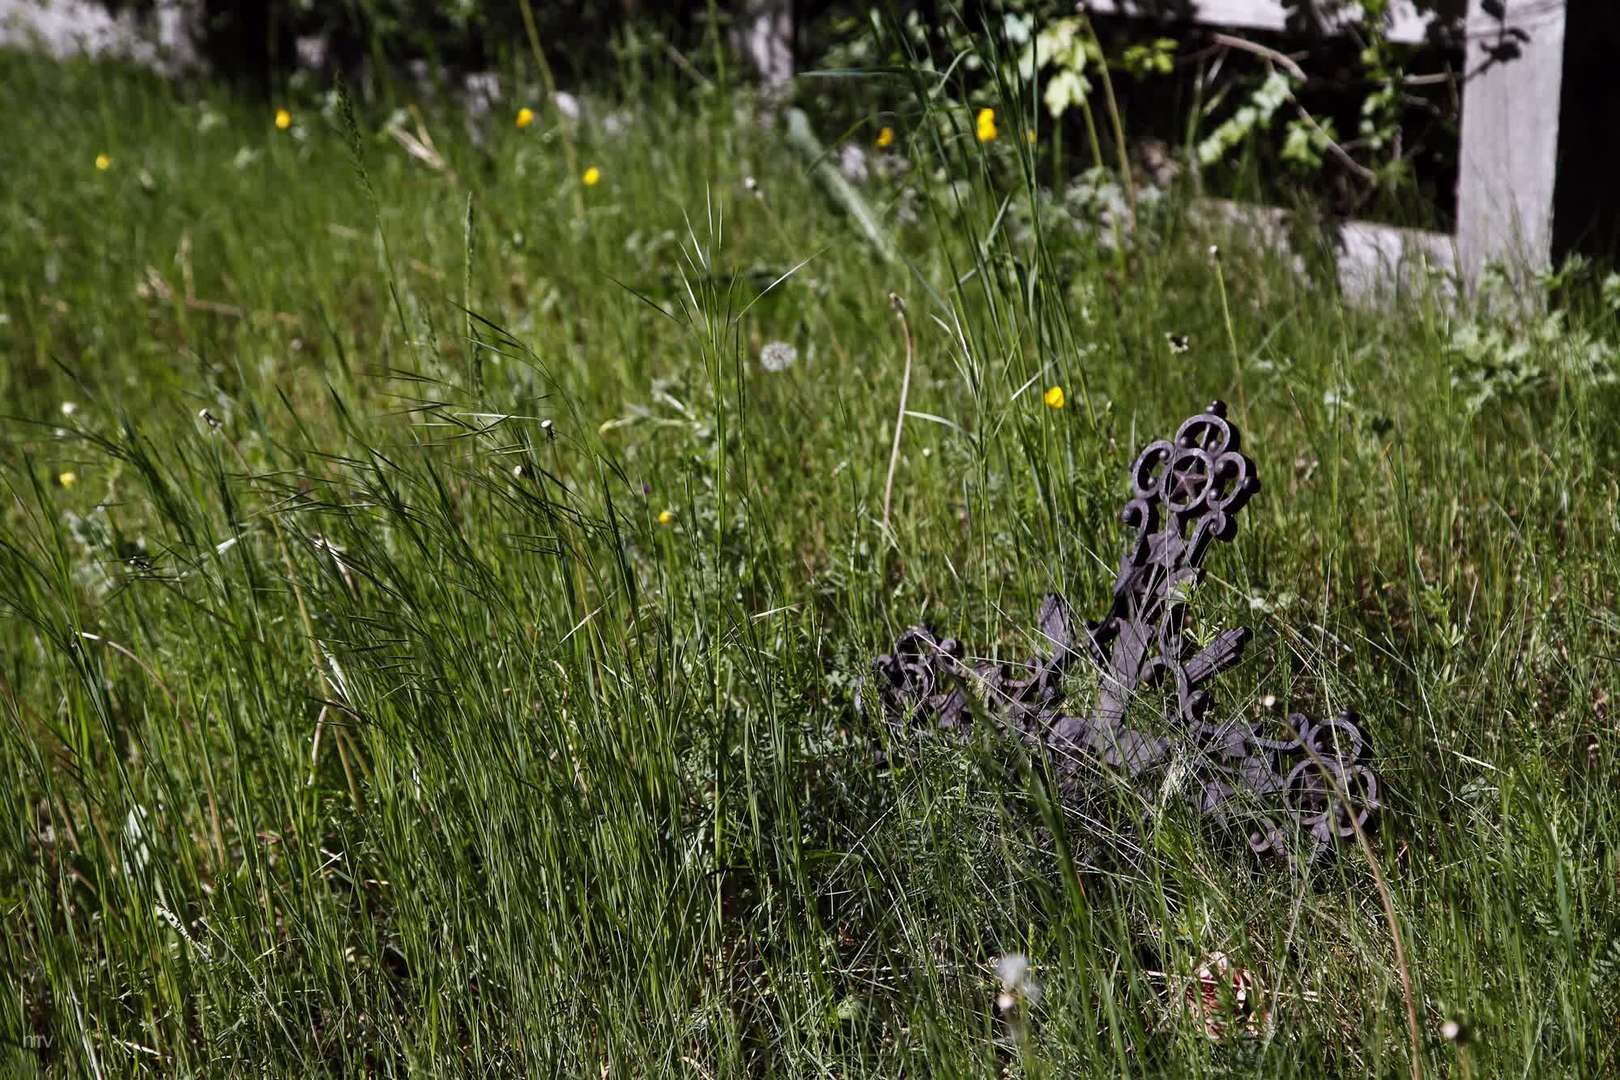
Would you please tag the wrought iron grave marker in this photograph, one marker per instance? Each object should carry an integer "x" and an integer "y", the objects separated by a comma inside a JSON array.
[{"x": 1186, "y": 493}]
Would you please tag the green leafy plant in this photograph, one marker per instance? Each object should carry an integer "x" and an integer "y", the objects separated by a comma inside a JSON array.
[
  {"x": 1061, "y": 52},
  {"x": 1253, "y": 116},
  {"x": 1149, "y": 58}
]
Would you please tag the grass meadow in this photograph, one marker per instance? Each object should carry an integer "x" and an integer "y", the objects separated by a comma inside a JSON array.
[{"x": 429, "y": 635}]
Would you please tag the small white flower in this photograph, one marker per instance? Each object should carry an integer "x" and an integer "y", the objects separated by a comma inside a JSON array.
[
  {"x": 69, "y": 408},
  {"x": 567, "y": 104},
  {"x": 482, "y": 89},
  {"x": 852, "y": 163},
  {"x": 778, "y": 356},
  {"x": 310, "y": 51}
]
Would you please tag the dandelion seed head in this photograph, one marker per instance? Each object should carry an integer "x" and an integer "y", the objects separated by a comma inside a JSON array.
[
  {"x": 1012, "y": 970},
  {"x": 1017, "y": 982},
  {"x": 778, "y": 356}
]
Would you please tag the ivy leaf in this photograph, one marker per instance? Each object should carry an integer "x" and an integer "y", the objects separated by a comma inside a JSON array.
[
  {"x": 1304, "y": 145},
  {"x": 1249, "y": 118},
  {"x": 1064, "y": 89}
]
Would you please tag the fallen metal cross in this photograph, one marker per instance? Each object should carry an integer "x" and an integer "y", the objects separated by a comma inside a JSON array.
[{"x": 1185, "y": 493}]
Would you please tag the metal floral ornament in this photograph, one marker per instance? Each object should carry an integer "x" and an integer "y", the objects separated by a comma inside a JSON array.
[{"x": 1186, "y": 492}]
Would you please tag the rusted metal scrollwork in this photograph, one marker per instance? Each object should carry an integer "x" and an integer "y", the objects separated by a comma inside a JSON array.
[{"x": 1186, "y": 492}]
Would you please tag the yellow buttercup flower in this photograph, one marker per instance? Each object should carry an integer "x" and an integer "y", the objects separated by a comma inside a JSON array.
[
  {"x": 1054, "y": 398},
  {"x": 885, "y": 138},
  {"x": 103, "y": 162},
  {"x": 283, "y": 119},
  {"x": 592, "y": 176},
  {"x": 666, "y": 517},
  {"x": 987, "y": 125},
  {"x": 67, "y": 479},
  {"x": 525, "y": 117}
]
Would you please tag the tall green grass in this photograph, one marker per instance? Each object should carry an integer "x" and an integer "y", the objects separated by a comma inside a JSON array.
[{"x": 362, "y": 717}]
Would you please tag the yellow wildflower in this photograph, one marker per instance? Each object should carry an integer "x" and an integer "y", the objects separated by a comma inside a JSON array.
[
  {"x": 283, "y": 119},
  {"x": 1030, "y": 135},
  {"x": 67, "y": 479},
  {"x": 525, "y": 117},
  {"x": 666, "y": 517},
  {"x": 885, "y": 138},
  {"x": 987, "y": 125},
  {"x": 103, "y": 162},
  {"x": 592, "y": 176},
  {"x": 1054, "y": 398}
]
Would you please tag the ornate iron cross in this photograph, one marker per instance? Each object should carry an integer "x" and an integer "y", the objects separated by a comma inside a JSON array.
[{"x": 1185, "y": 493}]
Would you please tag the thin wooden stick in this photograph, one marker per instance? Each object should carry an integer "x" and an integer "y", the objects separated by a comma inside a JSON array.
[
  {"x": 1291, "y": 66},
  {"x": 1286, "y": 62}
]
